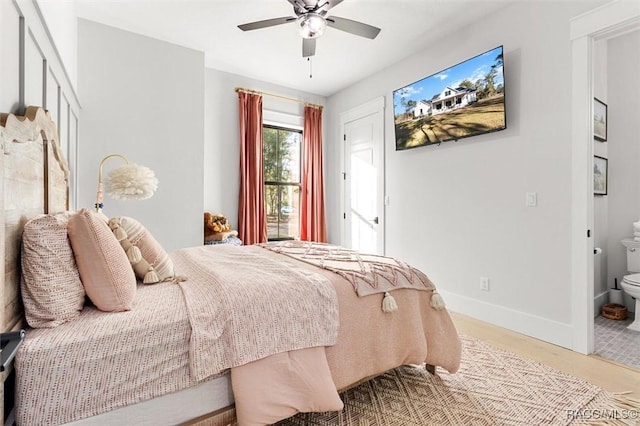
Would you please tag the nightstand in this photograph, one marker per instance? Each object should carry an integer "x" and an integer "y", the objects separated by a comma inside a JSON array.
[{"x": 10, "y": 343}]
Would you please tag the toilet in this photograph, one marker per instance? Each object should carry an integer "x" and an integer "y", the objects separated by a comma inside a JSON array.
[{"x": 631, "y": 282}]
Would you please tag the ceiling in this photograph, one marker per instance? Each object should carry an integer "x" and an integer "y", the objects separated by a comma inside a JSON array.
[{"x": 274, "y": 54}]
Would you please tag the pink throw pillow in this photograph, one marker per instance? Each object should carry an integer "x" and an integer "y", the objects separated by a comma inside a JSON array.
[{"x": 104, "y": 268}]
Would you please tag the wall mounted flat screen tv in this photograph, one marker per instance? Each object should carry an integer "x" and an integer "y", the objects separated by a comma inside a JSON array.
[{"x": 464, "y": 100}]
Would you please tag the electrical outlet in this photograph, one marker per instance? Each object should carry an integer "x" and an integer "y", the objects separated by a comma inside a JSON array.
[{"x": 484, "y": 283}]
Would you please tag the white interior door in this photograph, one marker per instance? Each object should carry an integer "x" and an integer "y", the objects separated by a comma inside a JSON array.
[{"x": 364, "y": 184}]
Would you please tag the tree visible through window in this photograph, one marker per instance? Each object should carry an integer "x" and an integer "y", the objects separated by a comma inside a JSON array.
[{"x": 281, "y": 158}]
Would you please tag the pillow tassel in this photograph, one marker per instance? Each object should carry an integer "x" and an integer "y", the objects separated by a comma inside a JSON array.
[
  {"x": 134, "y": 255},
  {"x": 120, "y": 233},
  {"x": 114, "y": 224},
  {"x": 151, "y": 277},
  {"x": 389, "y": 303},
  {"x": 437, "y": 302}
]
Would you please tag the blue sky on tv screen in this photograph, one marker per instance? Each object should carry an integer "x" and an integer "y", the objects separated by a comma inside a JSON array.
[{"x": 471, "y": 69}]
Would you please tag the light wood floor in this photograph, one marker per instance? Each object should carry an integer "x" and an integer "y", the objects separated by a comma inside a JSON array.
[{"x": 599, "y": 371}]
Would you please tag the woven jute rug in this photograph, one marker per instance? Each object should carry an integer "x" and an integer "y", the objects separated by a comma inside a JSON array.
[{"x": 492, "y": 387}]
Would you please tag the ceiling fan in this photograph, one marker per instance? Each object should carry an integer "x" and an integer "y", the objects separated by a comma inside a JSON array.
[{"x": 311, "y": 18}]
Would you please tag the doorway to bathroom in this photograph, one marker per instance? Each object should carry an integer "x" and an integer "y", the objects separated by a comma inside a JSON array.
[
  {"x": 616, "y": 150},
  {"x": 604, "y": 42}
]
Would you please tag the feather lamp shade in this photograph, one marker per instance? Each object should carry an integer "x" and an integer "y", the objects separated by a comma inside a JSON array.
[{"x": 127, "y": 182}]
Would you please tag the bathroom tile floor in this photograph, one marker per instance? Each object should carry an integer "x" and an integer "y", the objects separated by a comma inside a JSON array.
[{"x": 613, "y": 341}]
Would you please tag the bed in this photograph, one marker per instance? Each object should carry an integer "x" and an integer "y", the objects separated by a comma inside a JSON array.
[{"x": 230, "y": 335}]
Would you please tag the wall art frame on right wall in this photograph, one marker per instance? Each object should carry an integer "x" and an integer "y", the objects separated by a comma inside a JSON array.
[
  {"x": 599, "y": 120},
  {"x": 600, "y": 175}
]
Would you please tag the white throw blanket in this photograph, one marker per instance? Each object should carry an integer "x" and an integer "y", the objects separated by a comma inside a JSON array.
[
  {"x": 243, "y": 305},
  {"x": 367, "y": 273}
]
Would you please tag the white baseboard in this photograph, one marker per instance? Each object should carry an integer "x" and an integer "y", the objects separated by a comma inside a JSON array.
[{"x": 550, "y": 331}]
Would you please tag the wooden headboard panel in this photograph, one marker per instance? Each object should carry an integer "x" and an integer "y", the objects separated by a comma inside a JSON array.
[{"x": 35, "y": 179}]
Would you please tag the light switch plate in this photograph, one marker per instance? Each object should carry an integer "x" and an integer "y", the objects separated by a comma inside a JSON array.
[{"x": 532, "y": 199}]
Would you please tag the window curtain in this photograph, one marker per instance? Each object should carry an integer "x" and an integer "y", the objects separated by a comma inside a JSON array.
[
  {"x": 252, "y": 218},
  {"x": 312, "y": 219}
]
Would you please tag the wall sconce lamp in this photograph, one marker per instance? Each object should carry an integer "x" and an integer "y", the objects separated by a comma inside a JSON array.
[{"x": 127, "y": 182}]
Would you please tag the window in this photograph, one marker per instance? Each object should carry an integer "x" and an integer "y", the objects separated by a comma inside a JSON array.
[{"x": 282, "y": 159}]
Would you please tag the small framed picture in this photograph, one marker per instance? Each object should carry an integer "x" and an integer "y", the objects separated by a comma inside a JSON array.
[
  {"x": 599, "y": 120},
  {"x": 600, "y": 177}
]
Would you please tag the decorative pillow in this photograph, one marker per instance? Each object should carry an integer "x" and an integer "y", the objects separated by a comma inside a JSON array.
[
  {"x": 52, "y": 292},
  {"x": 104, "y": 268},
  {"x": 150, "y": 261}
]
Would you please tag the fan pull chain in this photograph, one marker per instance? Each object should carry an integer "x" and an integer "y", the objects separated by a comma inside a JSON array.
[{"x": 310, "y": 67}]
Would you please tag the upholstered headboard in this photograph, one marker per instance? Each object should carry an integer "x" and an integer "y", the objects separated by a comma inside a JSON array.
[{"x": 35, "y": 180}]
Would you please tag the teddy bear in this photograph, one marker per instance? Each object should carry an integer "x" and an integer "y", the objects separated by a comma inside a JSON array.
[{"x": 216, "y": 227}]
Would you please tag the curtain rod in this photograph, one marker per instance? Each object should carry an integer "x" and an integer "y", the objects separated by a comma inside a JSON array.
[{"x": 286, "y": 98}]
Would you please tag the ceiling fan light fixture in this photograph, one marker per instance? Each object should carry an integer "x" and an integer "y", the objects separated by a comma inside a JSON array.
[{"x": 311, "y": 25}]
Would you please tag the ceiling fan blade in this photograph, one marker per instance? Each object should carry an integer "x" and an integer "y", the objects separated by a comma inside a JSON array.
[
  {"x": 266, "y": 23},
  {"x": 353, "y": 27},
  {"x": 308, "y": 47}
]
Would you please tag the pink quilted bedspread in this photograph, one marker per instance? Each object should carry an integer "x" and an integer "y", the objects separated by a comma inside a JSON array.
[{"x": 369, "y": 343}]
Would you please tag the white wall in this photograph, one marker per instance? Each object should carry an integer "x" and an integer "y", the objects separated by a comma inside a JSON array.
[
  {"x": 10, "y": 53},
  {"x": 623, "y": 142},
  {"x": 457, "y": 211},
  {"x": 222, "y": 149},
  {"x": 144, "y": 99},
  {"x": 61, "y": 16}
]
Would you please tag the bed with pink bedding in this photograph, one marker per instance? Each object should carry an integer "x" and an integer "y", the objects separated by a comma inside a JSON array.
[
  {"x": 220, "y": 334},
  {"x": 289, "y": 331}
]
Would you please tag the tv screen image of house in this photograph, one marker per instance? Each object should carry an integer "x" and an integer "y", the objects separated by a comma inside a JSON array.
[{"x": 464, "y": 100}]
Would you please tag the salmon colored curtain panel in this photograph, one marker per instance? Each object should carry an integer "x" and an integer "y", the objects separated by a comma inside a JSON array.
[
  {"x": 252, "y": 218},
  {"x": 313, "y": 223}
]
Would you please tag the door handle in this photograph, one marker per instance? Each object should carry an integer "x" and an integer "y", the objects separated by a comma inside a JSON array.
[{"x": 375, "y": 220}]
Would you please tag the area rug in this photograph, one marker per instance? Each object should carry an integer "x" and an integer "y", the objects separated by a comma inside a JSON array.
[{"x": 493, "y": 387}]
